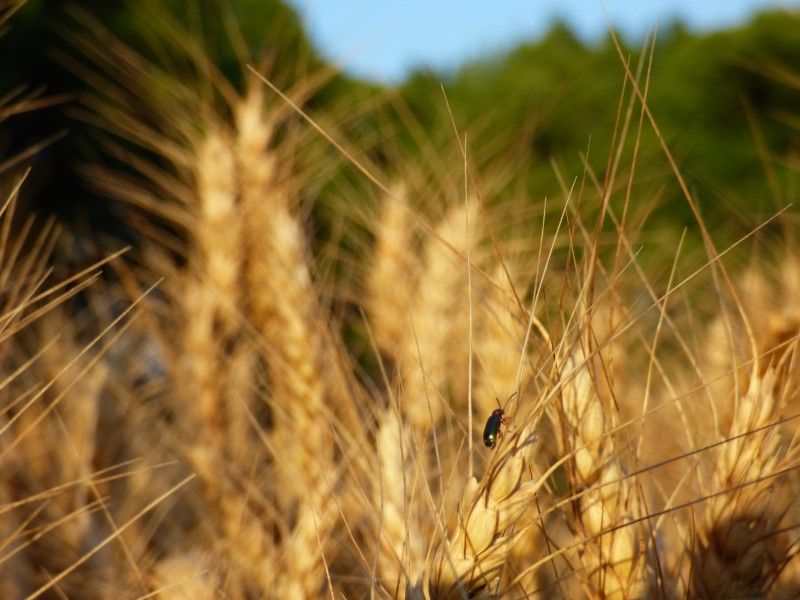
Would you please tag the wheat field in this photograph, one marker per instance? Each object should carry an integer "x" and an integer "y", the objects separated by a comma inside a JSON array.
[{"x": 242, "y": 406}]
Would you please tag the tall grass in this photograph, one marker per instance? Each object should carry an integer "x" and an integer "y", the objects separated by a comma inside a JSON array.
[{"x": 236, "y": 410}]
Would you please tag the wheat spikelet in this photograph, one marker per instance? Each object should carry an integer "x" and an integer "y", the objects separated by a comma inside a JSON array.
[
  {"x": 186, "y": 576},
  {"x": 200, "y": 356},
  {"x": 218, "y": 231},
  {"x": 612, "y": 561},
  {"x": 471, "y": 559}
]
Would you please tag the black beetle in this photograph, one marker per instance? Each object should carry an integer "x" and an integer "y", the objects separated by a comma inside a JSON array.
[{"x": 492, "y": 430}]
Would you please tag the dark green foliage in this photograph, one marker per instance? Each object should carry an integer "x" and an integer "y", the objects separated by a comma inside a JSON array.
[
  {"x": 548, "y": 99},
  {"x": 264, "y": 34}
]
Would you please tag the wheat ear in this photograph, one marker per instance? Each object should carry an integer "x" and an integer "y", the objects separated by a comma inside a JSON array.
[
  {"x": 606, "y": 500},
  {"x": 435, "y": 333},
  {"x": 287, "y": 314},
  {"x": 214, "y": 355},
  {"x": 283, "y": 299},
  {"x": 471, "y": 559},
  {"x": 392, "y": 274},
  {"x": 212, "y": 291},
  {"x": 741, "y": 547},
  {"x": 403, "y": 539},
  {"x": 497, "y": 344}
]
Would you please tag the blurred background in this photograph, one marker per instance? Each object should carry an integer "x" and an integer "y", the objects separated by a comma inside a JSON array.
[{"x": 534, "y": 85}]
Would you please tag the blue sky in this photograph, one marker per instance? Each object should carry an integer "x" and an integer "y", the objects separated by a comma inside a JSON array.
[{"x": 383, "y": 39}]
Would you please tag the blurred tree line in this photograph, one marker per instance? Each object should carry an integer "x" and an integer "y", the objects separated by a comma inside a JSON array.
[
  {"x": 716, "y": 98},
  {"x": 726, "y": 103}
]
